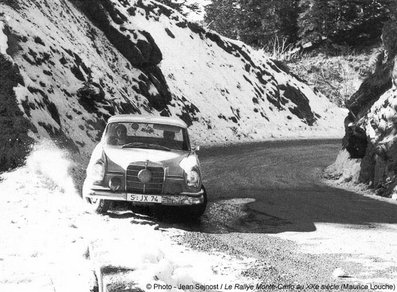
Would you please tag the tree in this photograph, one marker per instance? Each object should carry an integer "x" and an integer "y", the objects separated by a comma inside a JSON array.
[
  {"x": 255, "y": 28},
  {"x": 343, "y": 22},
  {"x": 256, "y": 22},
  {"x": 315, "y": 20},
  {"x": 224, "y": 16},
  {"x": 288, "y": 12},
  {"x": 352, "y": 23}
]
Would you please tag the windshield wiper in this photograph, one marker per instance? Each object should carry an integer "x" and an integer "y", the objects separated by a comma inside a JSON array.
[
  {"x": 133, "y": 144},
  {"x": 145, "y": 145}
]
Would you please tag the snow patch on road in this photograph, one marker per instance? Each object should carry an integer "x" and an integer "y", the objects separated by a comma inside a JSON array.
[{"x": 373, "y": 246}]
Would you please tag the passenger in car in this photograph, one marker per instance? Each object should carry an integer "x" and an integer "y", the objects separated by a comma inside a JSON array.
[{"x": 169, "y": 139}]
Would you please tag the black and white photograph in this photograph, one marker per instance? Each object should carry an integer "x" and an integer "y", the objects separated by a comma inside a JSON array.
[{"x": 198, "y": 145}]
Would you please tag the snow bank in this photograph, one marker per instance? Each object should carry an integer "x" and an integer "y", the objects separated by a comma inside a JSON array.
[
  {"x": 344, "y": 169},
  {"x": 41, "y": 247},
  {"x": 146, "y": 255},
  {"x": 3, "y": 40}
]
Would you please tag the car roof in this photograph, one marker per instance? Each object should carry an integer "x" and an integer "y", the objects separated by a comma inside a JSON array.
[{"x": 148, "y": 119}]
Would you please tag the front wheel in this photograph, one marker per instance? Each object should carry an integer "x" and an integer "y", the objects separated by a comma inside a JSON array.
[
  {"x": 99, "y": 206},
  {"x": 196, "y": 211}
]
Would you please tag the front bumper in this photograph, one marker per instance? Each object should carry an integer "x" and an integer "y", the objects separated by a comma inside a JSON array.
[{"x": 184, "y": 198}]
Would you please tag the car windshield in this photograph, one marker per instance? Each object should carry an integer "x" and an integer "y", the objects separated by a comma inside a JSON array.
[{"x": 147, "y": 135}]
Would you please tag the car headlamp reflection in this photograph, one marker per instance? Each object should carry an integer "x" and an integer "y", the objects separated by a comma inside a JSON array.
[
  {"x": 193, "y": 178},
  {"x": 191, "y": 169}
]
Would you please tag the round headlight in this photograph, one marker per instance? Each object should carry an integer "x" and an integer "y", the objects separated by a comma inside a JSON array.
[
  {"x": 115, "y": 184},
  {"x": 97, "y": 171},
  {"x": 193, "y": 178}
]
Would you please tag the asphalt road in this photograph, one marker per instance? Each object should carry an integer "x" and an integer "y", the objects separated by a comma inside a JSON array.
[{"x": 267, "y": 201}]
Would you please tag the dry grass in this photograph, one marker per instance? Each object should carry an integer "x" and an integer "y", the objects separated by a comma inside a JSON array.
[
  {"x": 337, "y": 77},
  {"x": 279, "y": 49}
]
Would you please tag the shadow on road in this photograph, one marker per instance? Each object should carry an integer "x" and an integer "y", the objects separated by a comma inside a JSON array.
[
  {"x": 287, "y": 210},
  {"x": 275, "y": 187}
]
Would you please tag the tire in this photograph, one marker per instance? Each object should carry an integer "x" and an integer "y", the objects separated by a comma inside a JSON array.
[
  {"x": 99, "y": 206},
  {"x": 143, "y": 210},
  {"x": 195, "y": 212}
]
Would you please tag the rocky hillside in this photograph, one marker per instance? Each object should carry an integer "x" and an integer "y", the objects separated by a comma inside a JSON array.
[
  {"x": 67, "y": 65},
  {"x": 370, "y": 154}
]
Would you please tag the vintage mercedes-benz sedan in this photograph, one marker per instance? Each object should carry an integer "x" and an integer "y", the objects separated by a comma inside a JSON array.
[{"x": 145, "y": 161}]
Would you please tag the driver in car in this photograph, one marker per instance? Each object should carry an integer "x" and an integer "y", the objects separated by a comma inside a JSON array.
[{"x": 120, "y": 137}]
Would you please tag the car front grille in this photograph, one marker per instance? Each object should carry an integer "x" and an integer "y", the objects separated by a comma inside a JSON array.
[{"x": 154, "y": 186}]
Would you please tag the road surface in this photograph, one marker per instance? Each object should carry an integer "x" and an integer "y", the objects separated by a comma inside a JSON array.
[{"x": 267, "y": 201}]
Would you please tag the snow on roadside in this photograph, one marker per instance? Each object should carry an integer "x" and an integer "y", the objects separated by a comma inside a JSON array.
[
  {"x": 41, "y": 243},
  {"x": 373, "y": 246},
  {"x": 150, "y": 257},
  {"x": 49, "y": 241},
  {"x": 3, "y": 40},
  {"x": 345, "y": 173},
  {"x": 344, "y": 169}
]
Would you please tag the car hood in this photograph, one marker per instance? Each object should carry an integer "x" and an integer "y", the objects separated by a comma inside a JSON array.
[{"x": 127, "y": 156}]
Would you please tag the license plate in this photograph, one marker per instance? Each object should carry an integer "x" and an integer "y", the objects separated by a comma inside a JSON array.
[{"x": 144, "y": 198}]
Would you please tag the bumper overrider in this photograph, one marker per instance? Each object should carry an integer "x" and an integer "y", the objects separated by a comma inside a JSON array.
[{"x": 184, "y": 198}]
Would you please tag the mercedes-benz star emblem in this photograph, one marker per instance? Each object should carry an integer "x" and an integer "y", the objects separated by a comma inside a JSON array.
[{"x": 145, "y": 176}]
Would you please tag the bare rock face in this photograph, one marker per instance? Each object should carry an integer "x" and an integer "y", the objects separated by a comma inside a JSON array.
[
  {"x": 355, "y": 141},
  {"x": 141, "y": 52},
  {"x": 137, "y": 46},
  {"x": 373, "y": 86},
  {"x": 14, "y": 139},
  {"x": 302, "y": 108},
  {"x": 371, "y": 126}
]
